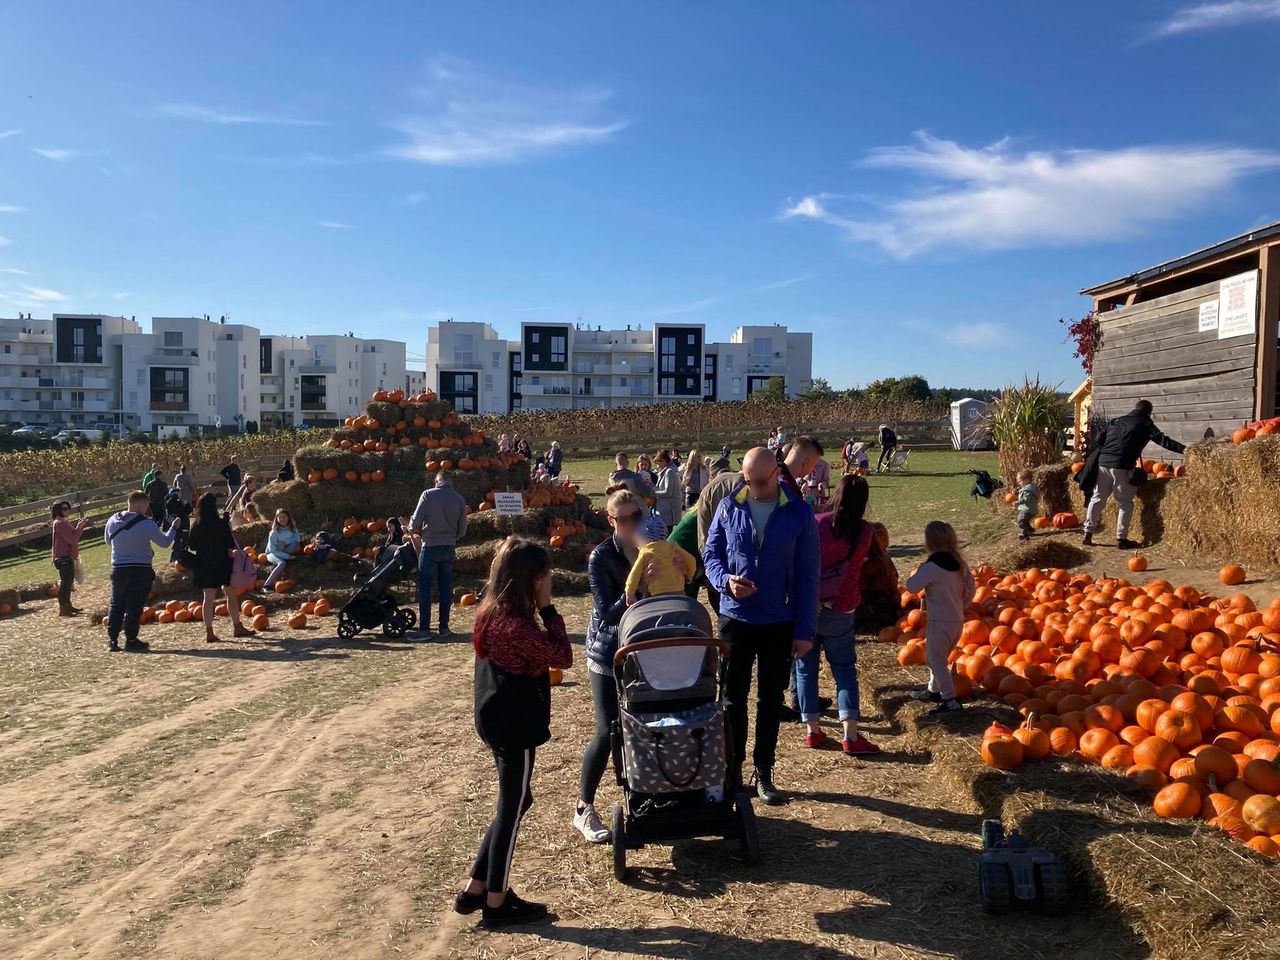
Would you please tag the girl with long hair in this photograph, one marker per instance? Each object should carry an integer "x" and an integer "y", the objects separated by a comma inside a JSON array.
[
  {"x": 213, "y": 544},
  {"x": 844, "y": 539},
  {"x": 693, "y": 477},
  {"x": 283, "y": 544},
  {"x": 514, "y": 654}
]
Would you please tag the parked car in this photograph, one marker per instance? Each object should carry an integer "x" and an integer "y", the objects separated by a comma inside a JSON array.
[
  {"x": 77, "y": 436},
  {"x": 34, "y": 432}
]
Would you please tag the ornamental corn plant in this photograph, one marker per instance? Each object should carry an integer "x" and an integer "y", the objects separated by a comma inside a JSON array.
[{"x": 1026, "y": 424}]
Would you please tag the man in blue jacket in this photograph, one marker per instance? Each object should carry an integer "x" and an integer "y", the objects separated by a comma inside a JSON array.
[{"x": 761, "y": 555}]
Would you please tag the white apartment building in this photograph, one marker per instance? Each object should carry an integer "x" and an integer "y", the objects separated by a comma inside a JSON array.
[
  {"x": 187, "y": 372},
  {"x": 563, "y": 366},
  {"x": 415, "y": 382}
]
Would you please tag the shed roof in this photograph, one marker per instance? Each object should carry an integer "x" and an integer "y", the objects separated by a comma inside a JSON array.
[{"x": 1189, "y": 259}]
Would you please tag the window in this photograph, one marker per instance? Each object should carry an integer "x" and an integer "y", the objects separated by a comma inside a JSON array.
[
  {"x": 728, "y": 361},
  {"x": 709, "y": 364},
  {"x": 708, "y": 386},
  {"x": 622, "y": 381},
  {"x": 536, "y": 380},
  {"x": 497, "y": 359},
  {"x": 689, "y": 339},
  {"x": 736, "y": 385},
  {"x": 688, "y": 384},
  {"x": 558, "y": 349},
  {"x": 173, "y": 338},
  {"x": 668, "y": 363},
  {"x": 761, "y": 346},
  {"x": 666, "y": 386},
  {"x": 488, "y": 381},
  {"x": 535, "y": 337}
]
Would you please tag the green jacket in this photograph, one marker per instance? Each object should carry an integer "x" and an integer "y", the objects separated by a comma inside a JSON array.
[{"x": 685, "y": 535}]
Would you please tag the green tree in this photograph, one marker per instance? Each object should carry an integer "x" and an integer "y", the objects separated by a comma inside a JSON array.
[
  {"x": 819, "y": 389},
  {"x": 775, "y": 389}
]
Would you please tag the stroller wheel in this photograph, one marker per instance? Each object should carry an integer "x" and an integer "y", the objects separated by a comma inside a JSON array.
[
  {"x": 347, "y": 628},
  {"x": 619, "y": 843},
  {"x": 407, "y": 617},
  {"x": 750, "y": 834},
  {"x": 393, "y": 627}
]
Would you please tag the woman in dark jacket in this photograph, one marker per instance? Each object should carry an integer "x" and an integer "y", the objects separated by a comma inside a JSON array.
[
  {"x": 607, "y": 570},
  {"x": 211, "y": 541}
]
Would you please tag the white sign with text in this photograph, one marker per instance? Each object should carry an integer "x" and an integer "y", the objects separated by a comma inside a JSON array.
[
  {"x": 1209, "y": 316},
  {"x": 509, "y": 504},
  {"x": 1238, "y": 305}
]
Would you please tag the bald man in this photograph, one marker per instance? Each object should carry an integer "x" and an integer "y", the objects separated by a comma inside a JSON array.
[{"x": 761, "y": 556}]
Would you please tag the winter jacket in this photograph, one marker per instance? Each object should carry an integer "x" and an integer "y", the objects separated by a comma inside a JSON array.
[
  {"x": 1120, "y": 443},
  {"x": 947, "y": 586},
  {"x": 784, "y": 569},
  {"x": 607, "y": 570},
  {"x": 835, "y": 550},
  {"x": 512, "y": 685},
  {"x": 132, "y": 547},
  {"x": 441, "y": 515},
  {"x": 282, "y": 543},
  {"x": 717, "y": 488},
  {"x": 1028, "y": 500},
  {"x": 888, "y": 438},
  {"x": 668, "y": 495},
  {"x": 66, "y": 539},
  {"x": 555, "y": 459}
]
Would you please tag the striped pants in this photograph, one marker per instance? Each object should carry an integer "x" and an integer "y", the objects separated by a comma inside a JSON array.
[{"x": 498, "y": 849}]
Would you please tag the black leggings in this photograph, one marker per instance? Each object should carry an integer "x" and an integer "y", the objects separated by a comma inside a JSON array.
[
  {"x": 498, "y": 848},
  {"x": 604, "y": 697},
  {"x": 66, "y": 567}
]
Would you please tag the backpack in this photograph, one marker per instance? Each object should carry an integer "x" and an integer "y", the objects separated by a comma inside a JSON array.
[
  {"x": 984, "y": 485},
  {"x": 243, "y": 572},
  {"x": 831, "y": 579}
]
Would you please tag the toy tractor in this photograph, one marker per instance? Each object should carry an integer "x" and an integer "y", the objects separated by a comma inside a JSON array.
[{"x": 1012, "y": 875}]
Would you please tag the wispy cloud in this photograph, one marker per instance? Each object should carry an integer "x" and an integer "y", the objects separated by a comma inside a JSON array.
[
  {"x": 414, "y": 199},
  {"x": 123, "y": 295},
  {"x": 6, "y": 134},
  {"x": 4, "y": 241},
  {"x": 201, "y": 114},
  {"x": 692, "y": 306},
  {"x": 15, "y": 271},
  {"x": 299, "y": 160},
  {"x": 1217, "y": 16},
  {"x": 62, "y": 154},
  {"x": 991, "y": 197},
  {"x": 43, "y": 295},
  {"x": 470, "y": 119},
  {"x": 9, "y": 208},
  {"x": 334, "y": 225},
  {"x": 977, "y": 336},
  {"x": 781, "y": 284}
]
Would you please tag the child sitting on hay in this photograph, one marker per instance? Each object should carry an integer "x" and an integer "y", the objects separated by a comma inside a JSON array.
[{"x": 323, "y": 549}]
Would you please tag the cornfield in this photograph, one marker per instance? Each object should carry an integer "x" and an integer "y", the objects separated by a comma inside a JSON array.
[
  {"x": 1026, "y": 423},
  {"x": 36, "y": 474}
]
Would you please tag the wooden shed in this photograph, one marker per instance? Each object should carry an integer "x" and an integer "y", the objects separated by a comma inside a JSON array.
[{"x": 1197, "y": 336}]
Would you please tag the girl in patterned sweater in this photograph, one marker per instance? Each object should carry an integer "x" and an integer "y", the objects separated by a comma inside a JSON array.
[{"x": 513, "y": 713}]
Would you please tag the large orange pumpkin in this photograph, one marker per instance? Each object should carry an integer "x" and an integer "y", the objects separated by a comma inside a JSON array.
[
  {"x": 1232, "y": 574},
  {"x": 1178, "y": 801}
]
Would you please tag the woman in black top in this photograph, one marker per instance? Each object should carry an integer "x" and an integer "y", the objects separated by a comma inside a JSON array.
[{"x": 212, "y": 543}]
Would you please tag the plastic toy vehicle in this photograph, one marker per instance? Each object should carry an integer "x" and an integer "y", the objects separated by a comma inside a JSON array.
[{"x": 1012, "y": 875}]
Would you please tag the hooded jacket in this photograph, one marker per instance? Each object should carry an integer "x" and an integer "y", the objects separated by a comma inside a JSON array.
[
  {"x": 1121, "y": 442},
  {"x": 785, "y": 569}
]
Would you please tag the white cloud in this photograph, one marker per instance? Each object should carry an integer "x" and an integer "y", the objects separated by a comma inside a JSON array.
[
  {"x": 61, "y": 154},
  {"x": 301, "y": 160},
  {"x": 43, "y": 295},
  {"x": 1217, "y": 16},
  {"x": 471, "y": 119},
  {"x": 977, "y": 336},
  {"x": 6, "y": 134},
  {"x": 991, "y": 197},
  {"x": 782, "y": 284},
  {"x": 416, "y": 198},
  {"x": 124, "y": 295},
  {"x": 4, "y": 241},
  {"x": 201, "y": 114},
  {"x": 15, "y": 271},
  {"x": 334, "y": 225},
  {"x": 8, "y": 208}
]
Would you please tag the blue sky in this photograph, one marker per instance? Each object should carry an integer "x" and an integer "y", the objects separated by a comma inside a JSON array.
[{"x": 924, "y": 185}]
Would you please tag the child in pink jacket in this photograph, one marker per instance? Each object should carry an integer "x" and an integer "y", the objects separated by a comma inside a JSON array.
[{"x": 947, "y": 584}]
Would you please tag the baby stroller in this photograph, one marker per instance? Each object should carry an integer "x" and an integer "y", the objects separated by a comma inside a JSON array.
[
  {"x": 669, "y": 744},
  {"x": 373, "y": 604}
]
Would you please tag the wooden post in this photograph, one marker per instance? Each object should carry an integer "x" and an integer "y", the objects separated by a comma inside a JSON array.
[{"x": 1268, "y": 331}]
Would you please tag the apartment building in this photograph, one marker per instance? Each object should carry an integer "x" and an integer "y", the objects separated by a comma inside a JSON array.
[
  {"x": 562, "y": 366},
  {"x": 187, "y": 372}
]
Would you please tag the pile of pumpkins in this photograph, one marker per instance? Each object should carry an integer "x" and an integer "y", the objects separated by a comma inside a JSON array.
[
  {"x": 254, "y": 614},
  {"x": 1177, "y": 690},
  {"x": 1259, "y": 428},
  {"x": 350, "y": 476},
  {"x": 561, "y": 530},
  {"x": 543, "y": 493}
]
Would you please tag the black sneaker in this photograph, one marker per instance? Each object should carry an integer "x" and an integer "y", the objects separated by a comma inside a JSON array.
[
  {"x": 468, "y": 903},
  {"x": 113, "y": 646},
  {"x": 925, "y": 696},
  {"x": 136, "y": 646},
  {"x": 946, "y": 706},
  {"x": 765, "y": 789},
  {"x": 1127, "y": 544},
  {"x": 1088, "y": 540},
  {"x": 513, "y": 911}
]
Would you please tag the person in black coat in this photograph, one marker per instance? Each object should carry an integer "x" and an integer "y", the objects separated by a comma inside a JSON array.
[
  {"x": 212, "y": 543},
  {"x": 888, "y": 444},
  {"x": 1117, "y": 447}
]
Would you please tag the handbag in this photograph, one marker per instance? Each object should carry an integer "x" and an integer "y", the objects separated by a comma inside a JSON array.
[
  {"x": 243, "y": 573},
  {"x": 79, "y": 571}
]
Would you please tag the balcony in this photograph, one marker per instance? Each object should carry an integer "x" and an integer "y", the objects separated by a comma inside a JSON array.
[
  {"x": 182, "y": 406},
  {"x": 316, "y": 368},
  {"x": 160, "y": 358},
  {"x": 314, "y": 406}
]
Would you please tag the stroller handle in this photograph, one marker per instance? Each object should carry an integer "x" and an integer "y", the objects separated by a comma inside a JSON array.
[{"x": 624, "y": 652}]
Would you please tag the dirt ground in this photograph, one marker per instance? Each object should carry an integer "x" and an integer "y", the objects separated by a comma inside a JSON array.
[{"x": 299, "y": 796}]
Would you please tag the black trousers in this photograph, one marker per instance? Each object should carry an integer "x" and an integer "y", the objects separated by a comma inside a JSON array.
[
  {"x": 604, "y": 698},
  {"x": 766, "y": 648},
  {"x": 66, "y": 568},
  {"x": 886, "y": 456},
  {"x": 129, "y": 589},
  {"x": 498, "y": 849}
]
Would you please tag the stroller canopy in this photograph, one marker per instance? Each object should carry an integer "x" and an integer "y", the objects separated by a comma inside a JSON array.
[{"x": 667, "y": 617}]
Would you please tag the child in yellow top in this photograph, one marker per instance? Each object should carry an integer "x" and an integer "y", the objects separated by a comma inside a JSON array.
[{"x": 673, "y": 566}]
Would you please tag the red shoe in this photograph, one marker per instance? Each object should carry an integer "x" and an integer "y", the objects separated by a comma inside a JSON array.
[
  {"x": 860, "y": 746},
  {"x": 815, "y": 739}
]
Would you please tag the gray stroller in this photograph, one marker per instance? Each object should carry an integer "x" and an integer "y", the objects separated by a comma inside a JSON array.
[{"x": 669, "y": 745}]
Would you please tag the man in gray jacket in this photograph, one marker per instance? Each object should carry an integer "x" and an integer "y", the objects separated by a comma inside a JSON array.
[
  {"x": 186, "y": 485},
  {"x": 438, "y": 523},
  {"x": 130, "y": 535}
]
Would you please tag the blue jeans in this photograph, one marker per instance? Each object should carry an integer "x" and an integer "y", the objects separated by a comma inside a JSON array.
[
  {"x": 835, "y": 636},
  {"x": 435, "y": 565}
]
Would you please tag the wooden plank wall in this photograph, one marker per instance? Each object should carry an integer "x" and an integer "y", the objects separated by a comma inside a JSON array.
[{"x": 1195, "y": 381}]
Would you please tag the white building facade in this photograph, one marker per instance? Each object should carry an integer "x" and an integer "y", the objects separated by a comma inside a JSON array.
[
  {"x": 187, "y": 373},
  {"x": 560, "y": 366}
]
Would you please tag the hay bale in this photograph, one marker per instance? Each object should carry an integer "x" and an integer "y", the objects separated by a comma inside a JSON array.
[
  {"x": 1042, "y": 550},
  {"x": 1147, "y": 524},
  {"x": 293, "y": 496},
  {"x": 365, "y": 501},
  {"x": 1053, "y": 481},
  {"x": 12, "y": 598},
  {"x": 535, "y": 521},
  {"x": 253, "y": 534}
]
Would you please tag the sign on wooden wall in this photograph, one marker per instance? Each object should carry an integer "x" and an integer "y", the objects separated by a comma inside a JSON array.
[{"x": 1238, "y": 305}]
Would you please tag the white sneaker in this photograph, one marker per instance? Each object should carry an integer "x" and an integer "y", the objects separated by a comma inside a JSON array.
[{"x": 589, "y": 824}]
